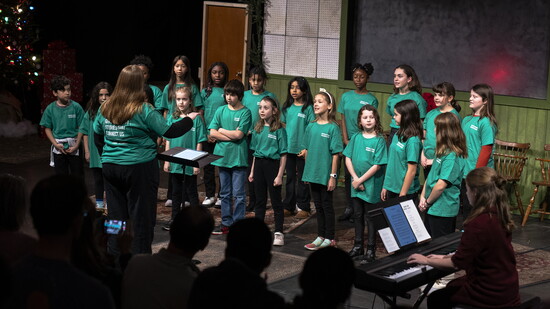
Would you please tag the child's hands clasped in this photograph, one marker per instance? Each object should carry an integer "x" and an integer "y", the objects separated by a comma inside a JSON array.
[{"x": 357, "y": 185}]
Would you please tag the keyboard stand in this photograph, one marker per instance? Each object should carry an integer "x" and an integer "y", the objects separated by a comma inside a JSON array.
[
  {"x": 423, "y": 295},
  {"x": 392, "y": 300}
]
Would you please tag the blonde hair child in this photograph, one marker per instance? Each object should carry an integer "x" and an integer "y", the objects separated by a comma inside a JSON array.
[
  {"x": 184, "y": 177},
  {"x": 269, "y": 143},
  {"x": 321, "y": 147}
]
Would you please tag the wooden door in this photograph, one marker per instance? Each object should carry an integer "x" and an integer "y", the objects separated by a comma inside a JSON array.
[{"x": 225, "y": 38}]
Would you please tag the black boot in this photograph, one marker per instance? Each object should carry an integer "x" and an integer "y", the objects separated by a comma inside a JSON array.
[
  {"x": 357, "y": 251},
  {"x": 346, "y": 215},
  {"x": 370, "y": 256}
]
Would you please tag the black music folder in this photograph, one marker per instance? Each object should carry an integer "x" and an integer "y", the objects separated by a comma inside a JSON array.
[{"x": 190, "y": 157}]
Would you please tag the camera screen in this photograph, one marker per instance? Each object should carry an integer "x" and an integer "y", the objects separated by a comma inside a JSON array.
[{"x": 114, "y": 226}]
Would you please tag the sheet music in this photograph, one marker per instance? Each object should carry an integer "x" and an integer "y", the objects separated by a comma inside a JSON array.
[
  {"x": 190, "y": 154},
  {"x": 400, "y": 225},
  {"x": 418, "y": 227},
  {"x": 389, "y": 241}
]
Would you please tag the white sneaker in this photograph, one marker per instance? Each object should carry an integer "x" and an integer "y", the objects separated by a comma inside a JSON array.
[
  {"x": 168, "y": 203},
  {"x": 208, "y": 201},
  {"x": 187, "y": 204},
  {"x": 219, "y": 202},
  {"x": 278, "y": 239}
]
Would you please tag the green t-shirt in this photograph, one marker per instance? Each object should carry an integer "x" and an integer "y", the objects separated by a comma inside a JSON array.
[
  {"x": 400, "y": 154},
  {"x": 87, "y": 128},
  {"x": 322, "y": 141},
  {"x": 429, "y": 127},
  {"x": 396, "y": 98},
  {"x": 449, "y": 168},
  {"x": 296, "y": 122},
  {"x": 197, "y": 134},
  {"x": 170, "y": 105},
  {"x": 479, "y": 132},
  {"x": 349, "y": 106},
  {"x": 235, "y": 152},
  {"x": 134, "y": 141},
  {"x": 364, "y": 153},
  {"x": 212, "y": 103},
  {"x": 157, "y": 96},
  {"x": 252, "y": 102},
  {"x": 269, "y": 145},
  {"x": 63, "y": 121}
]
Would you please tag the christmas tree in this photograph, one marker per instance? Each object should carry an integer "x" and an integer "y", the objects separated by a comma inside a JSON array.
[{"x": 18, "y": 63}]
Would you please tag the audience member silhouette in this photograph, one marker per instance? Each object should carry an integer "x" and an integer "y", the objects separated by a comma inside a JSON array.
[
  {"x": 13, "y": 210},
  {"x": 326, "y": 279},
  {"x": 236, "y": 281},
  {"x": 89, "y": 253},
  {"x": 164, "y": 279},
  {"x": 6, "y": 283},
  {"x": 46, "y": 278}
]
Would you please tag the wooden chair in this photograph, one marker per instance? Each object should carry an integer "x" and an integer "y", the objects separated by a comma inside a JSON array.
[
  {"x": 544, "y": 181},
  {"x": 509, "y": 159}
]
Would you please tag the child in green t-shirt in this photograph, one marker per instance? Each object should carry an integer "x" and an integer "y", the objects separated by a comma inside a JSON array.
[
  {"x": 269, "y": 144},
  {"x": 229, "y": 128},
  {"x": 257, "y": 80},
  {"x": 348, "y": 107},
  {"x": 180, "y": 76},
  {"x": 444, "y": 99},
  {"x": 297, "y": 115},
  {"x": 480, "y": 130},
  {"x": 61, "y": 120},
  {"x": 406, "y": 86},
  {"x": 321, "y": 147},
  {"x": 184, "y": 178},
  {"x": 212, "y": 97},
  {"x": 404, "y": 152},
  {"x": 365, "y": 157},
  {"x": 441, "y": 193},
  {"x": 101, "y": 92}
]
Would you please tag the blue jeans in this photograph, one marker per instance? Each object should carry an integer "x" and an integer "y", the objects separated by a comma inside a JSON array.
[{"x": 232, "y": 182}]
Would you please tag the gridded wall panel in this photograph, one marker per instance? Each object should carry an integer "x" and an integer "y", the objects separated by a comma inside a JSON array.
[
  {"x": 274, "y": 53},
  {"x": 310, "y": 44},
  {"x": 327, "y": 58},
  {"x": 275, "y": 17},
  {"x": 300, "y": 56},
  {"x": 302, "y": 18},
  {"x": 329, "y": 19}
]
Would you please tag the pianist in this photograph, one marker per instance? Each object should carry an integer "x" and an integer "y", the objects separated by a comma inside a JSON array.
[{"x": 485, "y": 251}]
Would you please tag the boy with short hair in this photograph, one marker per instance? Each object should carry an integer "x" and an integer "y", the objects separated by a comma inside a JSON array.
[
  {"x": 61, "y": 120},
  {"x": 229, "y": 127}
]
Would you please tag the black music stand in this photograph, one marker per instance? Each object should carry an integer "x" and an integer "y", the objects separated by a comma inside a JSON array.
[{"x": 198, "y": 159}]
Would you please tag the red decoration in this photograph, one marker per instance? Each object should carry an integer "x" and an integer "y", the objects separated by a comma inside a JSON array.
[
  {"x": 430, "y": 100},
  {"x": 59, "y": 61}
]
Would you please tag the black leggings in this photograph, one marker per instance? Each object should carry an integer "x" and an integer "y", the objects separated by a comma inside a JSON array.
[
  {"x": 360, "y": 214},
  {"x": 325, "y": 210},
  {"x": 265, "y": 171},
  {"x": 209, "y": 172},
  {"x": 183, "y": 186},
  {"x": 297, "y": 192}
]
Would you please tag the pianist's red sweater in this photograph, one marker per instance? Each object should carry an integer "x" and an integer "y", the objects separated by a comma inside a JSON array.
[{"x": 486, "y": 253}]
